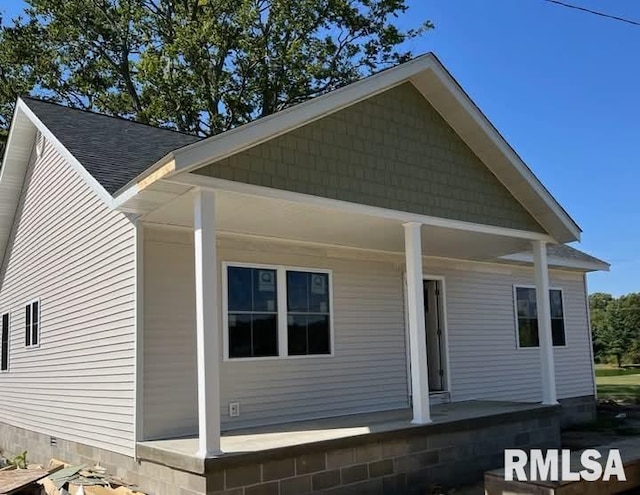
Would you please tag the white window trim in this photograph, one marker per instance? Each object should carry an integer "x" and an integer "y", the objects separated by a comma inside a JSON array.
[
  {"x": 515, "y": 316},
  {"x": 281, "y": 279},
  {"x": 30, "y": 303},
  {"x": 8, "y": 342}
]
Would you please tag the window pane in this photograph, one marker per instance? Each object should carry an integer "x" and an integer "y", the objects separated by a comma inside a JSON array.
[
  {"x": 264, "y": 290},
  {"x": 28, "y": 325},
  {"x": 239, "y": 335},
  {"x": 526, "y": 302},
  {"x": 319, "y": 293},
  {"x": 318, "y": 334},
  {"x": 528, "y": 332},
  {"x": 34, "y": 323},
  {"x": 265, "y": 335},
  {"x": 557, "y": 331},
  {"x": 4, "y": 348},
  {"x": 297, "y": 291},
  {"x": 297, "y": 335},
  {"x": 555, "y": 297},
  {"x": 239, "y": 291}
]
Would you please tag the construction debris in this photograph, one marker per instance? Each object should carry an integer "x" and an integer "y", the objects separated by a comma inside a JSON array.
[
  {"x": 59, "y": 478},
  {"x": 83, "y": 480},
  {"x": 16, "y": 481}
]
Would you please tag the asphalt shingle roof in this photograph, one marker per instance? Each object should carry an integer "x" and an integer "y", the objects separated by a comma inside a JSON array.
[
  {"x": 570, "y": 253},
  {"x": 113, "y": 150}
]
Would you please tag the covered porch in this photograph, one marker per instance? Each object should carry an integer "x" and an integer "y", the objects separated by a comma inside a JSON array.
[
  {"x": 214, "y": 209},
  {"x": 366, "y": 453}
]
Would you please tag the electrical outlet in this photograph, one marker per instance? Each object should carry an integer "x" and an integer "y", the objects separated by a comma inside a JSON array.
[{"x": 234, "y": 409}]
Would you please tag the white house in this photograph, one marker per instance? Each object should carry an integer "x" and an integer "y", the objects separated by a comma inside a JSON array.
[{"x": 379, "y": 254}]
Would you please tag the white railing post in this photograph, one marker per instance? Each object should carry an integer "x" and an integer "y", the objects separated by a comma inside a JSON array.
[
  {"x": 207, "y": 326},
  {"x": 543, "y": 304},
  {"x": 417, "y": 333}
]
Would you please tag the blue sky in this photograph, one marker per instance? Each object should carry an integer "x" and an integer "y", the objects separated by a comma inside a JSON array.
[{"x": 562, "y": 87}]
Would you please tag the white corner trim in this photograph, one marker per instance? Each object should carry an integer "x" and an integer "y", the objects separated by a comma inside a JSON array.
[
  {"x": 375, "y": 211},
  {"x": 75, "y": 164}
]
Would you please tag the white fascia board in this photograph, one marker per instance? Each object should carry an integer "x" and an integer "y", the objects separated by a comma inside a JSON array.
[
  {"x": 496, "y": 138},
  {"x": 246, "y": 136},
  {"x": 588, "y": 266},
  {"x": 205, "y": 182}
]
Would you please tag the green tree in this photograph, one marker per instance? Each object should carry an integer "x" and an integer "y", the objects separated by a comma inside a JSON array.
[
  {"x": 199, "y": 66},
  {"x": 598, "y": 306}
]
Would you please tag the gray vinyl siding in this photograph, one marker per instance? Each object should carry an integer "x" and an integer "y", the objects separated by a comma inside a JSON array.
[
  {"x": 368, "y": 371},
  {"x": 485, "y": 362},
  {"x": 77, "y": 256}
]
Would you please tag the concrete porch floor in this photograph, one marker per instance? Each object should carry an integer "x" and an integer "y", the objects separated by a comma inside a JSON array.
[{"x": 180, "y": 452}]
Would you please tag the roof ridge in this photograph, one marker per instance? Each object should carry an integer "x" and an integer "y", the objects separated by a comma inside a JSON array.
[{"x": 116, "y": 117}]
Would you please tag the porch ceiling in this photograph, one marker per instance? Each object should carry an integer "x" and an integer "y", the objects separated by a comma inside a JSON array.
[{"x": 245, "y": 214}]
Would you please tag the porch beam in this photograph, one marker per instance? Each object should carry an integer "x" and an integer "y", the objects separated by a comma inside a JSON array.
[
  {"x": 547, "y": 364},
  {"x": 417, "y": 331},
  {"x": 207, "y": 326}
]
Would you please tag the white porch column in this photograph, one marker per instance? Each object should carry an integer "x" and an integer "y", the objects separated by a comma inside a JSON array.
[
  {"x": 207, "y": 326},
  {"x": 544, "y": 322},
  {"x": 417, "y": 333}
]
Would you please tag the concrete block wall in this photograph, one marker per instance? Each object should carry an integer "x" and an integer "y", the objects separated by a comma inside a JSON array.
[
  {"x": 578, "y": 410},
  {"x": 401, "y": 461},
  {"x": 153, "y": 478}
]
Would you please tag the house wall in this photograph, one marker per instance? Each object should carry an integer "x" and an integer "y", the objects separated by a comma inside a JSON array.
[
  {"x": 392, "y": 150},
  {"x": 368, "y": 371},
  {"x": 76, "y": 255}
]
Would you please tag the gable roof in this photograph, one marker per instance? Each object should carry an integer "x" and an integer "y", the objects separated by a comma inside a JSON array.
[
  {"x": 113, "y": 150},
  {"x": 438, "y": 87},
  {"x": 113, "y": 155}
]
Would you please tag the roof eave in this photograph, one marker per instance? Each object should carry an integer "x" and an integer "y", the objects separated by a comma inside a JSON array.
[{"x": 559, "y": 262}]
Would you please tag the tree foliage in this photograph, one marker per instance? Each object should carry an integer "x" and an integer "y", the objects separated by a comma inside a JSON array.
[
  {"x": 615, "y": 323},
  {"x": 199, "y": 66}
]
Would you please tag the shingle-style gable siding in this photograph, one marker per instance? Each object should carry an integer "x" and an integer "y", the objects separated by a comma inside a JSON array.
[
  {"x": 78, "y": 256},
  {"x": 392, "y": 151}
]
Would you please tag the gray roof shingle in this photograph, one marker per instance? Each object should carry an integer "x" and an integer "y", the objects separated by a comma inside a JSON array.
[
  {"x": 113, "y": 150},
  {"x": 570, "y": 253}
]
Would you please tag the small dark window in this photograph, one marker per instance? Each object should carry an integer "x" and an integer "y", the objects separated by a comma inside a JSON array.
[
  {"x": 32, "y": 324},
  {"x": 527, "y": 314},
  {"x": 252, "y": 312},
  {"x": 308, "y": 313},
  {"x": 4, "y": 343}
]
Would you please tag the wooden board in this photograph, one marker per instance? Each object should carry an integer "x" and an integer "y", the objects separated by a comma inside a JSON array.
[{"x": 12, "y": 481}]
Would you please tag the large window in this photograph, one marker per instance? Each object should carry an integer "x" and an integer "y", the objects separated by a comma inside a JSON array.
[
  {"x": 4, "y": 343},
  {"x": 32, "y": 324},
  {"x": 527, "y": 317},
  {"x": 276, "y": 312}
]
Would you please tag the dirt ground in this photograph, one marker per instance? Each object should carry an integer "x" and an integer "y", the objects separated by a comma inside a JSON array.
[{"x": 616, "y": 421}]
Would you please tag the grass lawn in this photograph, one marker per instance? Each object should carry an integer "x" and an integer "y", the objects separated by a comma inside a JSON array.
[{"x": 618, "y": 383}]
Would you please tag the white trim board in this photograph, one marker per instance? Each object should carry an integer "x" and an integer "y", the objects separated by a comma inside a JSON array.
[{"x": 374, "y": 211}]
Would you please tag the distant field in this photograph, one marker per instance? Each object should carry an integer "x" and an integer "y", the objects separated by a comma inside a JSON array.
[{"x": 618, "y": 383}]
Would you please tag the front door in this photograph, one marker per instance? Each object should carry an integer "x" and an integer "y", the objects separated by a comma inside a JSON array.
[{"x": 434, "y": 329}]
